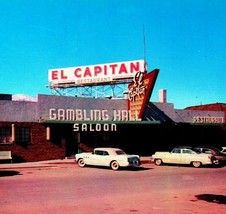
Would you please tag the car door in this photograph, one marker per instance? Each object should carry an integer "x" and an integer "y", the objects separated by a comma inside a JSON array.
[
  {"x": 188, "y": 156},
  {"x": 100, "y": 158},
  {"x": 175, "y": 156}
]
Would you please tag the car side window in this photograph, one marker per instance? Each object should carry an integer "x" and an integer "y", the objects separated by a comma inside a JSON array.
[
  {"x": 176, "y": 151},
  {"x": 186, "y": 151},
  {"x": 97, "y": 152},
  {"x": 102, "y": 153},
  {"x": 207, "y": 151},
  {"x": 105, "y": 153}
]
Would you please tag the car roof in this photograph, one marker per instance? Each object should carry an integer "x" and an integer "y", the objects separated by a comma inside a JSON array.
[
  {"x": 183, "y": 147},
  {"x": 206, "y": 147},
  {"x": 107, "y": 148}
]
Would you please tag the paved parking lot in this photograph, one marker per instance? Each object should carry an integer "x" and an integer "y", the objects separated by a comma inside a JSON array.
[{"x": 61, "y": 186}]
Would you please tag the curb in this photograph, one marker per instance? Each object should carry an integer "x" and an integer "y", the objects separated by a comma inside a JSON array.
[{"x": 50, "y": 163}]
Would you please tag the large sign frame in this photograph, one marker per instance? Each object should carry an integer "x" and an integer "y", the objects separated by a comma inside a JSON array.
[{"x": 95, "y": 74}]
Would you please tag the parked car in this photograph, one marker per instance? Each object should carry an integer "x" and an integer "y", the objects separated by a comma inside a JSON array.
[
  {"x": 108, "y": 157},
  {"x": 183, "y": 155},
  {"x": 223, "y": 149},
  {"x": 220, "y": 158}
]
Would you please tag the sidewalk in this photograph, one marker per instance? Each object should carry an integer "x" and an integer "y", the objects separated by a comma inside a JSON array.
[{"x": 48, "y": 163}]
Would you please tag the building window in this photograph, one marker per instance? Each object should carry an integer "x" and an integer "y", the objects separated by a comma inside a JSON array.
[
  {"x": 5, "y": 135},
  {"x": 23, "y": 135}
]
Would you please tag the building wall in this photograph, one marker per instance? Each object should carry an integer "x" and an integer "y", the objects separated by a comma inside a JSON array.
[
  {"x": 140, "y": 138},
  {"x": 189, "y": 116},
  {"x": 46, "y": 102},
  {"x": 38, "y": 149},
  {"x": 210, "y": 107},
  {"x": 25, "y": 111},
  {"x": 22, "y": 111}
]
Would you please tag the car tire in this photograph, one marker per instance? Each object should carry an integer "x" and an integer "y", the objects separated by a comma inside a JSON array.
[
  {"x": 196, "y": 164},
  {"x": 216, "y": 162},
  {"x": 115, "y": 165},
  {"x": 81, "y": 162},
  {"x": 158, "y": 162}
]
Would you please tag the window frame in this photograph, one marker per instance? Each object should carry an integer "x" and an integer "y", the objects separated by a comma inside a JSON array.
[
  {"x": 5, "y": 135},
  {"x": 23, "y": 135}
]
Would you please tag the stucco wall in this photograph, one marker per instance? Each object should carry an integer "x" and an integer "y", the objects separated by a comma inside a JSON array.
[{"x": 22, "y": 111}]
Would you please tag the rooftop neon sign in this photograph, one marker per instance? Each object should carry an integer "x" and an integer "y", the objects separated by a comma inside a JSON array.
[{"x": 94, "y": 74}]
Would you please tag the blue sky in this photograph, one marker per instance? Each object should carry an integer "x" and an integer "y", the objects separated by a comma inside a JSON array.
[{"x": 185, "y": 39}]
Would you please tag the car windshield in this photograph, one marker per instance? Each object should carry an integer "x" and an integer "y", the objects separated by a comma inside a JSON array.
[
  {"x": 217, "y": 151},
  {"x": 196, "y": 150},
  {"x": 209, "y": 150},
  {"x": 120, "y": 152}
]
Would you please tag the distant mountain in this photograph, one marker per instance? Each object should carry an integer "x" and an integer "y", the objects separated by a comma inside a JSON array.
[{"x": 23, "y": 97}]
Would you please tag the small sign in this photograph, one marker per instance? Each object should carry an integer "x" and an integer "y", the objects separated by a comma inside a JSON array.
[{"x": 140, "y": 91}]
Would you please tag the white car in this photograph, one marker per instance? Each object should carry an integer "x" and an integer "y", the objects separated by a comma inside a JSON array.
[
  {"x": 183, "y": 156},
  {"x": 223, "y": 149},
  {"x": 108, "y": 157}
]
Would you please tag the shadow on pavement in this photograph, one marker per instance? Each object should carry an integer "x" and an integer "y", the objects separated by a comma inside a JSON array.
[
  {"x": 138, "y": 168},
  {"x": 4, "y": 173},
  {"x": 219, "y": 199}
]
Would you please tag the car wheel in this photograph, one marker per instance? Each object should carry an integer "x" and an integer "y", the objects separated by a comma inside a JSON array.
[
  {"x": 114, "y": 165},
  {"x": 158, "y": 162},
  {"x": 216, "y": 162},
  {"x": 81, "y": 162},
  {"x": 196, "y": 164}
]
